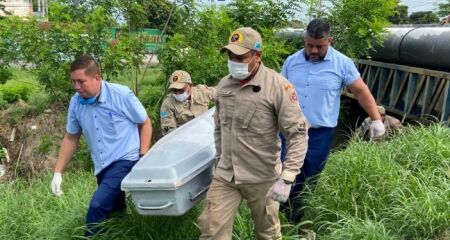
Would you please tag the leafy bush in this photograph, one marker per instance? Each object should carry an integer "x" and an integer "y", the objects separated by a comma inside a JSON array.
[
  {"x": 195, "y": 45},
  {"x": 49, "y": 47},
  {"x": 39, "y": 102},
  {"x": 3, "y": 103},
  {"x": 355, "y": 34},
  {"x": 12, "y": 94}
]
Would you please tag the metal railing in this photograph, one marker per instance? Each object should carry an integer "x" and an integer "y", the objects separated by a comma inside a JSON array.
[{"x": 415, "y": 93}]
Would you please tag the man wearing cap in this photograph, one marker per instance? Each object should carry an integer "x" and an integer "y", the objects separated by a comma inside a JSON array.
[
  {"x": 391, "y": 124},
  {"x": 319, "y": 73},
  {"x": 184, "y": 102},
  {"x": 253, "y": 104}
]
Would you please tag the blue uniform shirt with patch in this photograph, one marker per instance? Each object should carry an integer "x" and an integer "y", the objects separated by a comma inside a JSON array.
[
  {"x": 319, "y": 84},
  {"x": 110, "y": 125}
]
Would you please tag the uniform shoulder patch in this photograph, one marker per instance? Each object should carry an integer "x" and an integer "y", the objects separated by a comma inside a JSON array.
[
  {"x": 164, "y": 114},
  {"x": 288, "y": 86},
  {"x": 293, "y": 97}
]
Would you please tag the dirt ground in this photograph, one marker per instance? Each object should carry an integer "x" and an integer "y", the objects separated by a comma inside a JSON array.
[{"x": 35, "y": 145}]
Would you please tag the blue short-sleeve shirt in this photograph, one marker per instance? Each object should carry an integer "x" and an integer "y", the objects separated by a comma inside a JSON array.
[
  {"x": 109, "y": 125},
  {"x": 319, "y": 84}
]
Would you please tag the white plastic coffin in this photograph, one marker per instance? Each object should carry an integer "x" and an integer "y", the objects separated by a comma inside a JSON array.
[{"x": 175, "y": 174}]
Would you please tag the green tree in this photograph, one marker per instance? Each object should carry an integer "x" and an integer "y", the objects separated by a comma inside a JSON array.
[
  {"x": 444, "y": 9},
  {"x": 357, "y": 25},
  {"x": 400, "y": 15},
  {"x": 423, "y": 17},
  {"x": 295, "y": 23},
  {"x": 47, "y": 48},
  {"x": 160, "y": 12},
  {"x": 262, "y": 14},
  {"x": 195, "y": 45}
]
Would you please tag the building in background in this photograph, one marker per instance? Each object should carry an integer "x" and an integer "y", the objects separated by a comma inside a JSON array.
[{"x": 24, "y": 8}]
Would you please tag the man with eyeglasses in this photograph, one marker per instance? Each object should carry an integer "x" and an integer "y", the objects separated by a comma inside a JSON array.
[{"x": 184, "y": 101}]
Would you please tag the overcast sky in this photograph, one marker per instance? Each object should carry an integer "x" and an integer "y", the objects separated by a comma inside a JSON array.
[
  {"x": 413, "y": 5},
  {"x": 422, "y": 5}
]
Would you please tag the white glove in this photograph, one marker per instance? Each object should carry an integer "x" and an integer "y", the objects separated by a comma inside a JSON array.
[
  {"x": 279, "y": 191},
  {"x": 56, "y": 184},
  {"x": 376, "y": 129}
]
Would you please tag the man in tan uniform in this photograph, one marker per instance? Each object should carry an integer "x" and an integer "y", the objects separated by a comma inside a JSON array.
[
  {"x": 184, "y": 102},
  {"x": 253, "y": 105},
  {"x": 391, "y": 124}
]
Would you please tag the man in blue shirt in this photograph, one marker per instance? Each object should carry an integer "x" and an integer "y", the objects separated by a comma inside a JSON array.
[
  {"x": 117, "y": 130},
  {"x": 319, "y": 73}
]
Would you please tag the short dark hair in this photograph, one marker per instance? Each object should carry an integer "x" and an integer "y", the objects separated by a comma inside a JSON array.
[
  {"x": 318, "y": 28},
  {"x": 87, "y": 63}
]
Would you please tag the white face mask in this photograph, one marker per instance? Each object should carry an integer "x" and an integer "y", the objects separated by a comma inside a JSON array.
[
  {"x": 237, "y": 70},
  {"x": 181, "y": 97}
]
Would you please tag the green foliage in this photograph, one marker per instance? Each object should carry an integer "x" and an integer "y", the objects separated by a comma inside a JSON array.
[
  {"x": 31, "y": 212},
  {"x": 46, "y": 144},
  {"x": 49, "y": 47},
  {"x": 262, "y": 14},
  {"x": 195, "y": 47},
  {"x": 5, "y": 74},
  {"x": 3, "y": 103},
  {"x": 396, "y": 189},
  {"x": 39, "y": 102},
  {"x": 158, "y": 12},
  {"x": 15, "y": 114},
  {"x": 444, "y": 9},
  {"x": 82, "y": 157},
  {"x": 400, "y": 15},
  {"x": 354, "y": 34},
  {"x": 423, "y": 17},
  {"x": 2, "y": 154},
  {"x": 11, "y": 94}
]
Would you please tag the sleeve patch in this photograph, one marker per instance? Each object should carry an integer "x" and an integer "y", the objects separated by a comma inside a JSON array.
[
  {"x": 288, "y": 86},
  {"x": 164, "y": 114},
  {"x": 293, "y": 97}
]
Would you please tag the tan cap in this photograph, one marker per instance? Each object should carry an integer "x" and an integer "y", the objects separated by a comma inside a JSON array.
[
  {"x": 178, "y": 79},
  {"x": 381, "y": 110},
  {"x": 242, "y": 40}
]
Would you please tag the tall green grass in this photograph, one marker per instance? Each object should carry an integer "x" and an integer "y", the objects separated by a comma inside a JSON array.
[
  {"x": 396, "y": 189},
  {"x": 30, "y": 211}
]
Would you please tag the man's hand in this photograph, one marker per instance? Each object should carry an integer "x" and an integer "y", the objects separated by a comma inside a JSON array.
[
  {"x": 376, "y": 129},
  {"x": 56, "y": 184},
  {"x": 279, "y": 191}
]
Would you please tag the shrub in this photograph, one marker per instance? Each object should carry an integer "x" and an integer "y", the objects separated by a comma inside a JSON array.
[
  {"x": 39, "y": 102},
  {"x": 11, "y": 94}
]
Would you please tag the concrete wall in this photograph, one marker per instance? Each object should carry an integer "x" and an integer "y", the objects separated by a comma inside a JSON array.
[{"x": 21, "y": 8}]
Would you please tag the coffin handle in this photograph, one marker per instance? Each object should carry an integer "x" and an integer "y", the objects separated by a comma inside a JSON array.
[
  {"x": 168, "y": 204},
  {"x": 194, "y": 196}
]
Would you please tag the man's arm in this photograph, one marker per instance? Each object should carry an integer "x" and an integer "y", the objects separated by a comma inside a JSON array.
[
  {"x": 365, "y": 98},
  {"x": 68, "y": 146},
  {"x": 145, "y": 135},
  {"x": 294, "y": 127},
  {"x": 167, "y": 117}
]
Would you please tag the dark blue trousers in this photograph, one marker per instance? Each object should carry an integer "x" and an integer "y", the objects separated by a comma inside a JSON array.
[
  {"x": 108, "y": 197},
  {"x": 319, "y": 145}
]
